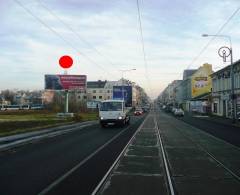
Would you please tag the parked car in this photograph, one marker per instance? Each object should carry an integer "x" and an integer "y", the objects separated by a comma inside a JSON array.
[
  {"x": 145, "y": 109},
  {"x": 174, "y": 109},
  {"x": 178, "y": 112},
  {"x": 238, "y": 116},
  {"x": 138, "y": 111}
]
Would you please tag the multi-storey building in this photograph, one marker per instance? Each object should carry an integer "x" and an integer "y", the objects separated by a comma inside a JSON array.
[
  {"x": 191, "y": 93},
  {"x": 96, "y": 91},
  {"x": 221, "y": 91}
]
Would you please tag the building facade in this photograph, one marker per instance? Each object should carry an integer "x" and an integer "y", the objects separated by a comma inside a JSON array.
[{"x": 221, "y": 91}]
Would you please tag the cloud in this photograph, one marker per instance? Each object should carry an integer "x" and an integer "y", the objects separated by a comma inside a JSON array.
[{"x": 171, "y": 29}]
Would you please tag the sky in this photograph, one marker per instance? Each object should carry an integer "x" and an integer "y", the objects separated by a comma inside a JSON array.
[{"x": 103, "y": 37}]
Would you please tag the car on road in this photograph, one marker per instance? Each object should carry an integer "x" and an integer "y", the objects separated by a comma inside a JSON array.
[
  {"x": 113, "y": 112},
  {"x": 138, "y": 111},
  {"x": 178, "y": 112},
  {"x": 146, "y": 108}
]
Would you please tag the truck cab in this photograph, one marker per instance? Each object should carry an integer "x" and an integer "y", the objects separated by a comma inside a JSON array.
[{"x": 113, "y": 112}]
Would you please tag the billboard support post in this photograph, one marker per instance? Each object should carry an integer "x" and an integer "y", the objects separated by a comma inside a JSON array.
[{"x": 66, "y": 101}]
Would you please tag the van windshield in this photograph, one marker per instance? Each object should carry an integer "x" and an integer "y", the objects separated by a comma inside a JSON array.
[{"x": 111, "y": 106}]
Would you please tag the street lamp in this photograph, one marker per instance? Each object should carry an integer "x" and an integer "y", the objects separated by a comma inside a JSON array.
[
  {"x": 126, "y": 70},
  {"x": 223, "y": 54}
]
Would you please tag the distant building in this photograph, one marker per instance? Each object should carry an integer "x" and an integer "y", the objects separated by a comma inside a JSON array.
[
  {"x": 27, "y": 98},
  {"x": 96, "y": 91},
  {"x": 3, "y": 101},
  {"x": 191, "y": 93},
  {"x": 48, "y": 96},
  {"x": 184, "y": 89}
]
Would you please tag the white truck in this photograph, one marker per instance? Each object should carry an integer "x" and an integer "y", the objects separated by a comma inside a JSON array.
[{"x": 113, "y": 112}]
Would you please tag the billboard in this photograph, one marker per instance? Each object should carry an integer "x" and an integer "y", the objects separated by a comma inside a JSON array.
[
  {"x": 118, "y": 94},
  {"x": 65, "y": 82},
  {"x": 201, "y": 80}
]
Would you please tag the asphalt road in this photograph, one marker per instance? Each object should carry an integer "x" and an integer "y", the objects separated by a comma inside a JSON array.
[
  {"x": 32, "y": 168},
  {"x": 226, "y": 132}
]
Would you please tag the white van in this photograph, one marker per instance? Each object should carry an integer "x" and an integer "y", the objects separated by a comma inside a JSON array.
[{"x": 113, "y": 112}]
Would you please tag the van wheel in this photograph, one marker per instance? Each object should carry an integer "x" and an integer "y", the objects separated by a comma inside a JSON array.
[
  {"x": 103, "y": 125},
  {"x": 122, "y": 124},
  {"x": 128, "y": 122}
]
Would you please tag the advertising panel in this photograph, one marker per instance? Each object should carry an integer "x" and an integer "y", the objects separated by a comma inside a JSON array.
[
  {"x": 201, "y": 80},
  {"x": 65, "y": 82},
  {"x": 118, "y": 94}
]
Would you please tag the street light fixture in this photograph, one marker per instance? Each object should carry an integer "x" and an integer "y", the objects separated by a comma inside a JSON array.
[
  {"x": 125, "y": 70},
  {"x": 222, "y": 53}
]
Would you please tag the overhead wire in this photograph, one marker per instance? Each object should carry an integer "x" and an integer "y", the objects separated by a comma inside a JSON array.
[
  {"x": 73, "y": 31},
  {"x": 213, "y": 38},
  {"x": 143, "y": 46},
  {"x": 61, "y": 37}
]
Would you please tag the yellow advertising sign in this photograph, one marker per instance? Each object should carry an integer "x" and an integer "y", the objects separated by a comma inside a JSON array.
[{"x": 201, "y": 80}]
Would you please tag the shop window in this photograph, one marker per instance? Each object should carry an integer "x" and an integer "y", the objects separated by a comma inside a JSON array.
[{"x": 94, "y": 97}]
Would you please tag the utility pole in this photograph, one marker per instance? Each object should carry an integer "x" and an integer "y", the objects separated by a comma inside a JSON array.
[{"x": 224, "y": 52}]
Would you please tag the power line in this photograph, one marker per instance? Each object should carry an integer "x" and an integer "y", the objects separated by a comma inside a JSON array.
[
  {"x": 213, "y": 38},
  {"x": 59, "y": 35},
  {"x": 73, "y": 31},
  {"x": 143, "y": 46}
]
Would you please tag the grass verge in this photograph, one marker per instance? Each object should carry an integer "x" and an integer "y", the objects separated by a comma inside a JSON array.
[{"x": 20, "y": 122}]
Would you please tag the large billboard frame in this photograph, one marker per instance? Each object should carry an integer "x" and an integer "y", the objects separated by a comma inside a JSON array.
[
  {"x": 65, "y": 82},
  {"x": 118, "y": 94}
]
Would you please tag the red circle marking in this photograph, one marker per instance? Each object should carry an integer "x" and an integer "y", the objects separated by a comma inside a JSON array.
[{"x": 65, "y": 61}]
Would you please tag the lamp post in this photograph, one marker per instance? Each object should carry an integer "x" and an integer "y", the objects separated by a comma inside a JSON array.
[
  {"x": 223, "y": 54},
  {"x": 126, "y": 70}
]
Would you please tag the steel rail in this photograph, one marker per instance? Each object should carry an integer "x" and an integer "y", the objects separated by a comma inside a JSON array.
[
  {"x": 100, "y": 184},
  {"x": 209, "y": 154},
  {"x": 169, "y": 180}
]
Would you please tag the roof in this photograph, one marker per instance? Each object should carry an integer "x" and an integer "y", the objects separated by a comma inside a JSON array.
[
  {"x": 96, "y": 84},
  {"x": 188, "y": 72},
  {"x": 226, "y": 68}
]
